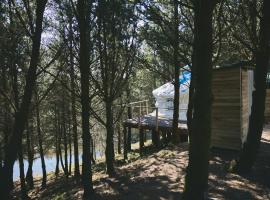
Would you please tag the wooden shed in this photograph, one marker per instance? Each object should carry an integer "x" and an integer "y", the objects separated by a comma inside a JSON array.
[{"x": 232, "y": 93}]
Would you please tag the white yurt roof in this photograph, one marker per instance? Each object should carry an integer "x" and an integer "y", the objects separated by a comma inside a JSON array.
[{"x": 167, "y": 90}]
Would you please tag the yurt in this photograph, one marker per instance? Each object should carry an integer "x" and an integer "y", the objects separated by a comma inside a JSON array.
[{"x": 164, "y": 96}]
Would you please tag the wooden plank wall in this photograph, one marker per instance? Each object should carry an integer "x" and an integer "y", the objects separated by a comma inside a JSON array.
[
  {"x": 267, "y": 106},
  {"x": 226, "y": 120}
]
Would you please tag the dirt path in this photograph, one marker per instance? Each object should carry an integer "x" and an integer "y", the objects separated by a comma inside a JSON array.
[{"x": 160, "y": 176}]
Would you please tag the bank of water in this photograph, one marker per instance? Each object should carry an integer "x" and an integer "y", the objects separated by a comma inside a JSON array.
[{"x": 37, "y": 169}]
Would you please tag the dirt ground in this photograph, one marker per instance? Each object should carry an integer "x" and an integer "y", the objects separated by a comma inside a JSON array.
[{"x": 159, "y": 175}]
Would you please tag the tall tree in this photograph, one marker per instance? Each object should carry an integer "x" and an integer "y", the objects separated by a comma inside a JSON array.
[
  {"x": 256, "y": 120},
  {"x": 84, "y": 11},
  {"x": 30, "y": 153},
  {"x": 73, "y": 101},
  {"x": 40, "y": 140},
  {"x": 116, "y": 45},
  {"x": 129, "y": 115},
  {"x": 197, "y": 171},
  {"x": 176, "y": 73},
  {"x": 22, "y": 113}
]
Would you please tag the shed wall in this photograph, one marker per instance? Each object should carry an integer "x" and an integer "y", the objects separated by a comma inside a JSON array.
[{"x": 226, "y": 110}]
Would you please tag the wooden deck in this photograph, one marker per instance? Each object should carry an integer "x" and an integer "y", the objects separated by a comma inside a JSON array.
[
  {"x": 158, "y": 127},
  {"x": 150, "y": 122}
]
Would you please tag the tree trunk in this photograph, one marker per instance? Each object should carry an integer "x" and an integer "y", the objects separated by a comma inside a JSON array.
[
  {"x": 22, "y": 176},
  {"x": 69, "y": 147},
  {"x": 59, "y": 146},
  {"x": 40, "y": 144},
  {"x": 7, "y": 130},
  {"x": 73, "y": 103},
  {"x": 119, "y": 138},
  {"x": 109, "y": 151},
  {"x": 84, "y": 8},
  {"x": 129, "y": 117},
  {"x": 20, "y": 150},
  {"x": 176, "y": 136},
  {"x": 56, "y": 172},
  {"x": 196, "y": 182},
  {"x": 190, "y": 103},
  {"x": 94, "y": 149},
  {"x": 256, "y": 120},
  {"x": 22, "y": 114},
  {"x": 65, "y": 137},
  {"x": 57, "y": 136},
  {"x": 61, "y": 157},
  {"x": 30, "y": 153},
  {"x": 8, "y": 121},
  {"x": 6, "y": 139},
  {"x": 125, "y": 143}
]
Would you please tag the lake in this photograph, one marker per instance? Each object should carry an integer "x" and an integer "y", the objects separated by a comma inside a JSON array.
[{"x": 37, "y": 169}]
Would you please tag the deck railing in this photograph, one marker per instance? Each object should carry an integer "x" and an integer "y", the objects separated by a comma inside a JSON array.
[{"x": 143, "y": 107}]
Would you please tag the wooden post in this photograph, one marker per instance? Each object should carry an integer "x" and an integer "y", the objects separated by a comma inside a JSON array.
[
  {"x": 141, "y": 141},
  {"x": 125, "y": 143}
]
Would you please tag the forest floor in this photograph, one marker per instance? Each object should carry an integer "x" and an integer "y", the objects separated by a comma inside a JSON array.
[{"x": 159, "y": 175}]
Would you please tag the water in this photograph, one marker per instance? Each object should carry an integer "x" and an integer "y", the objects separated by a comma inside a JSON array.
[
  {"x": 37, "y": 169},
  {"x": 50, "y": 162}
]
